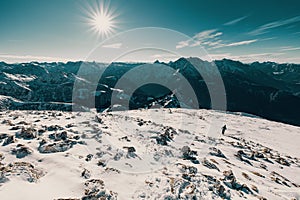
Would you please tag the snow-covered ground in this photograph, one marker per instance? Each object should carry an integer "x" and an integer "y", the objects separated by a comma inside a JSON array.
[{"x": 146, "y": 154}]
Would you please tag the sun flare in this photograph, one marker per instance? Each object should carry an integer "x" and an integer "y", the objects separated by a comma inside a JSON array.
[
  {"x": 101, "y": 19},
  {"x": 102, "y": 23}
]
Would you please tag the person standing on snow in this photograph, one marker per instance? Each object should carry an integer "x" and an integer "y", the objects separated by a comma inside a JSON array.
[{"x": 224, "y": 129}]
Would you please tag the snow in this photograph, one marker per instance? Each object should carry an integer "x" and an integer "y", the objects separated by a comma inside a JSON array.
[
  {"x": 3, "y": 97},
  {"x": 152, "y": 170},
  {"x": 22, "y": 85},
  {"x": 81, "y": 79},
  {"x": 117, "y": 90},
  {"x": 19, "y": 77},
  {"x": 278, "y": 73}
]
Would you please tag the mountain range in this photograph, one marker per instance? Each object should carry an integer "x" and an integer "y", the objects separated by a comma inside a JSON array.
[{"x": 269, "y": 90}]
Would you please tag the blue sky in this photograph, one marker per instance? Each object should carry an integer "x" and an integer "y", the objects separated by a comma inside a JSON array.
[{"x": 58, "y": 30}]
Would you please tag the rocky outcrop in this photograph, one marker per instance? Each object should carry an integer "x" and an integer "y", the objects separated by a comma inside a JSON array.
[
  {"x": 21, "y": 151},
  {"x": 23, "y": 169},
  {"x": 95, "y": 189},
  {"x": 10, "y": 139},
  {"x": 27, "y": 133},
  {"x": 55, "y": 147}
]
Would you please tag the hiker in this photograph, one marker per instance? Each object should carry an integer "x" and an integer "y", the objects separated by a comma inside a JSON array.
[{"x": 224, "y": 129}]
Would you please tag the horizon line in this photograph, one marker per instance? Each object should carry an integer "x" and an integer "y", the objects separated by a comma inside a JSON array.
[{"x": 65, "y": 61}]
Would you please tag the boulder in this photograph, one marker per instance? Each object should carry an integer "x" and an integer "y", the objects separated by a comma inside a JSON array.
[{"x": 21, "y": 151}]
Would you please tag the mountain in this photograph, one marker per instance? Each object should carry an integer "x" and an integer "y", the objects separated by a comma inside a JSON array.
[
  {"x": 269, "y": 90},
  {"x": 146, "y": 154}
]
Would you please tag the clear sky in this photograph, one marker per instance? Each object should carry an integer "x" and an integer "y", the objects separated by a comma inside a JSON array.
[{"x": 61, "y": 30}]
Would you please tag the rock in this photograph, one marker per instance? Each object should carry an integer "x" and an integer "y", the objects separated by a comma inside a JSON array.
[
  {"x": 258, "y": 154},
  {"x": 26, "y": 133},
  {"x": 263, "y": 166},
  {"x": 278, "y": 178},
  {"x": 21, "y": 151},
  {"x": 230, "y": 181},
  {"x": 199, "y": 140},
  {"x": 3, "y": 177},
  {"x": 15, "y": 128},
  {"x": 54, "y": 128},
  {"x": 169, "y": 133},
  {"x": 186, "y": 176},
  {"x": 86, "y": 174},
  {"x": 188, "y": 190},
  {"x": 228, "y": 175},
  {"x": 76, "y": 137},
  {"x": 188, "y": 169},
  {"x": 140, "y": 123},
  {"x": 209, "y": 165},
  {"x": 166, "y": 137},
  {"x": 8, "y": 122},
  {"x": 171, "y": 130},
  {"x": 59, "y": 136},
  {"x": 125, "y": 138},
  {"x": 23, "y": 169},
  {"x": 254, "y": 188},
  {"x": 10, "y": 139},
  {"x": 1, "y": 157},
  {"x": 220, "y": 191},
  {"x": 55, "y": 147},
  {"x": 245, "y": 189},
  {"x": 103, "y": 194},
  {"x": 99, "y": 120},
  {"x": 89, "y": 157},
  {"x": 101, "y": 163},
  {"x": 240, "y": 155},
  {"x": 187, "y": 153},
  {"x": 70, "y": 125},
  {"x": 258, "y": 174},
  {"x": 282, "y": 161},
  {"x": 41, "y": 131},
  {"x": 143, "y": 195},
  {"x": 23, "y": 123},
  {"x": 3, "y": 136},
  {"x": 93, "y": 187},
  {"x": 266, "y": 150},
  {"x": 42, "y": 142},
  {"x": 246, "y": 176},
  {"x": 130, "y": 149},
  {"x": 130, "y": 152},
  {"x": 216, "y": 152},
  {"x": 162, "y": 140}
]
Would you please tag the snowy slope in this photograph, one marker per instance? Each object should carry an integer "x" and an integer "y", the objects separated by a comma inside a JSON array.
[{"x": 146, "y": 154}]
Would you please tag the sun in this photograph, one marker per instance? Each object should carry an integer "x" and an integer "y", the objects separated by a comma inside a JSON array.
[
  {"x": 100, "y": 18},
  {"x": 102, "y": 23}
]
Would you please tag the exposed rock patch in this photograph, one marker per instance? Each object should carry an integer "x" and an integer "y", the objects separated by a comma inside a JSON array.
[
  {"x": 23, "y": 169},
  {"x": 21, "y": 151}
]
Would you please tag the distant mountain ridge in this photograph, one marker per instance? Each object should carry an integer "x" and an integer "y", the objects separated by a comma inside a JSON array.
[{"x": 268, "y": 89}]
